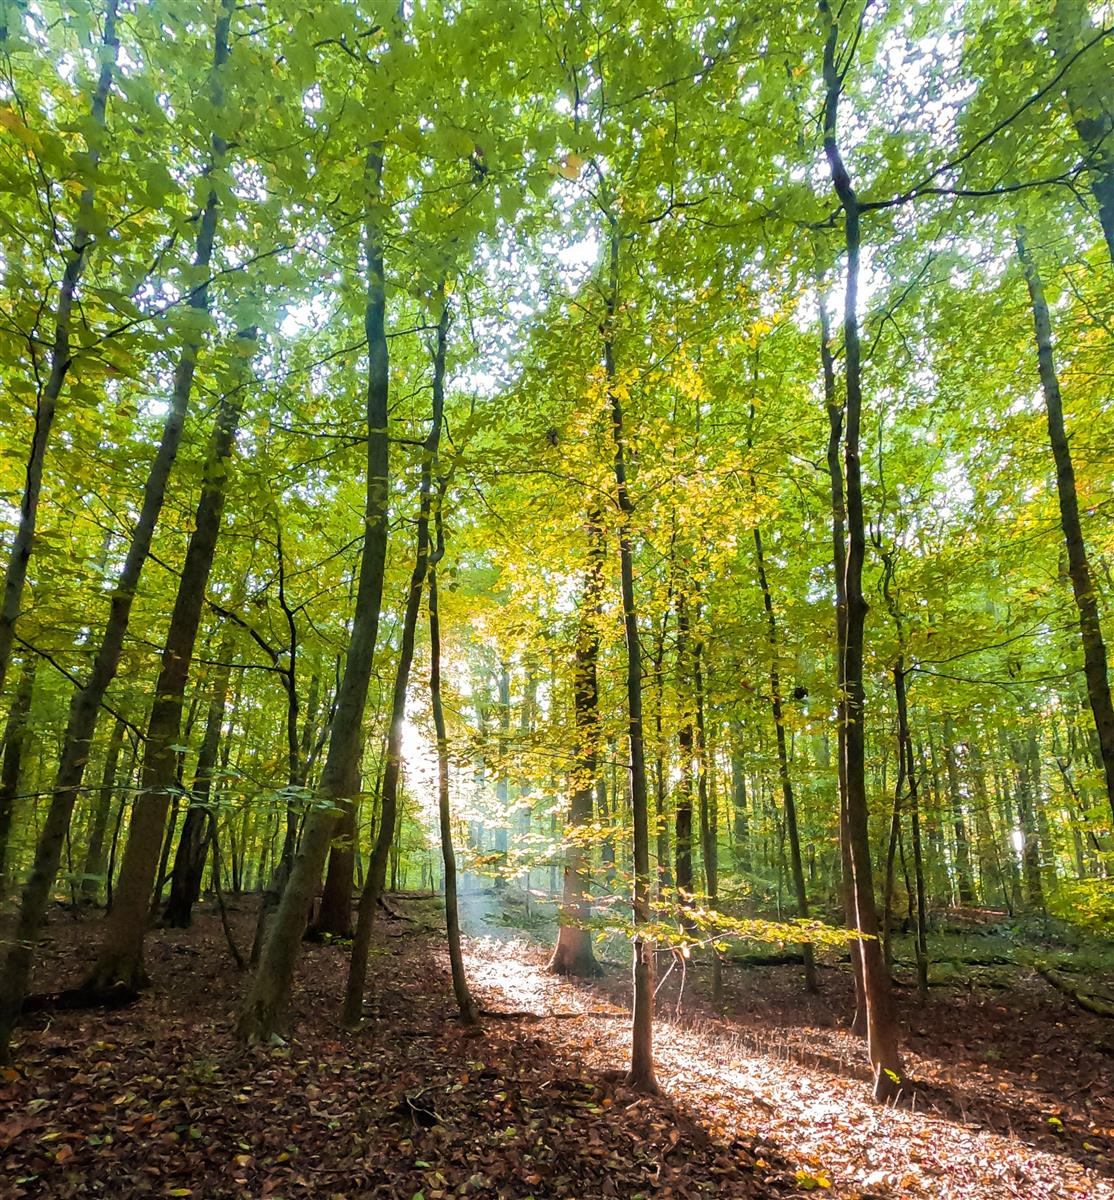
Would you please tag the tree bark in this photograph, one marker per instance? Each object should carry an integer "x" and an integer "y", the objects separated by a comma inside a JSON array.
[
  {"x": 789, "y": 803},
  {"x": 682, "y": 804},
  {"x": 15, "y": 741},
  {"x": 94, "y": 867},
  {"x": 882, "y": 1031},
  {"x": 388, "y": 813},
  {"x": 709, "y": 809},
  {"x": 1023, "y": 754},
  {"x": 641, "y": 1076},
  {"x": 86, "y": 702},
  {"x": 1079, "y": 567},
  {"x": 905, "y": 749},
  {"x": 269, "y": 991},
  {"x": 964, "y": 881},
  {"x": 740, "y": 817},
  {"x": 572, "y": 954},
  {"x": 81, "y": 244},
  {"x": 334, "y": 914},
  {"x": 468, "y": 1012},
  {"x": 199, "y": 825},
  {"x": 120, "y": 958},
  {"x": 839, "y": 565}
]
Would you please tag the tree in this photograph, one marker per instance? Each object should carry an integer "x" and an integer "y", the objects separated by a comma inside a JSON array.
[
  {"x": 1079, "y": 568},
  {"x": 120, "y": 958},
  {"x": 882, "y": 1037},
  {"x": 60, "y": 357},
  {"x": 87, "y": 699}
]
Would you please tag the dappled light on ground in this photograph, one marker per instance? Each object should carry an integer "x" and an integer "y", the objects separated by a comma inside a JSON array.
[{"x": 840, "y": 1142}]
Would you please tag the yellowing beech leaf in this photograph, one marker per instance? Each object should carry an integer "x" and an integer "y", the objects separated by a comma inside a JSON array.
[
  {"x": 570, "y": 166},
  {"x": 13, "y": 122}
]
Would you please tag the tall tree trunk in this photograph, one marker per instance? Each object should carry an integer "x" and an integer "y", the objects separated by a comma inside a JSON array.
[
  {"x": 334, "y": 914},
  {"x": 964, "y": 881},
  {"x": 709, "y": 808},
  {"x": 269, "y": 991},
  {"x": 990, "y": 863},
  {"x": 661, "y": 826},
  {"x": 15, "y": 740},
  {"x": 127, "y": 792},
  {"x": 200, "y": 822},
  {"x": 120, "y": 959},
  {"x": 93, "y": 870},
  {"x": 388, "y": 814},
  {"x": 1024, "y": 752},
  {"x": 740, "y": 817},
  {"x": 1079, "y": 568},
  {"x": 882, "y": 1031},
  {"x": 86, "y": 702},
  {"x": 839, "y": 569},
  {"x": 682, "y": 804},
  {"x": 789, "y": 803},
  {"x": 467, "y": 1006},
  {"x": 298, "y": 763},
  {"x": 46, "y": 405},
  {"x": 572, "y": 955},
  {"x": 641, "y": 1076}
]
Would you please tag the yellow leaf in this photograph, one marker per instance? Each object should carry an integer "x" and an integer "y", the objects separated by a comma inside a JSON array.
[{"x": 570, "y": 165}]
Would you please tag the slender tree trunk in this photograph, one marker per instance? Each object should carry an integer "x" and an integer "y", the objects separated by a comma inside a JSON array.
[
  {"x": 604, "y": 815},
  {"x": 298, "y": 764},
  {"x": 661, "y": 826},
  {"x": 170, "y": 828},
  {"x": 200, "y": 822},
  {"x": 467, "y": 1006},
  {"x": 120, "y": 959},
  {"x": 789, "y": 803},
  {"x": 87, "y": 700},
  {"x": 126, "y": 794},
  {"x": 682, "y": 804},
  {"x": 1027, "y": 801},
  {"x": 60, "y": 358},
  {"x": 334, "y": 914},
  {"x": 839, "y": 565},
  {"x": 909, "y": 775},
  {"x": 572, "y": 955},
  {"x": 1079, "y": 568},
  {"x": 891, "y": 860},
  {"x": 882, "y": 1031},
  {"x": 709, "y": 809},
  {"x": 389, "y": 815},
  {"x": 502, "y": 782},
  {"x": 964, "y": 881},
  {"x": 915, "y": 830},
  {"x": 93, "y": 870},
  {"x": 15, "y": 740},
  {"x": 641, "y": 1076},
  {"x": 269, "y": 991},
  {"x": 740, "y": 817}
]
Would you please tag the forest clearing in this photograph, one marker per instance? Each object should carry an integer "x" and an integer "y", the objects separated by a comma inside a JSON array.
[{"x": 557, "y": 572}]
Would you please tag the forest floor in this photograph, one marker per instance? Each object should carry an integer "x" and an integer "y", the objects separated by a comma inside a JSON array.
[{"x": 764, "y": 1093}]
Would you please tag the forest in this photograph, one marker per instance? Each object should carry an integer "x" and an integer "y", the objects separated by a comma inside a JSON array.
[{"x": 557, "y": 575}]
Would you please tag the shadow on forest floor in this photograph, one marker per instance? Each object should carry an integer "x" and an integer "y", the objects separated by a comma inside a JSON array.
[
  {"x": 158, "y": 1100},
  {"x": 1012, "y": 1087}
]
